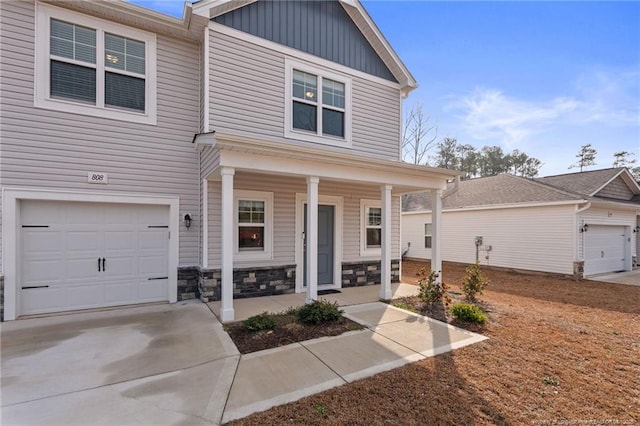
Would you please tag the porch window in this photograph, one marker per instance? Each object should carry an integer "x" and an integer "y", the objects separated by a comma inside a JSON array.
[
  {"x": 317, "y": 105},
  {"x": 427, "y": 235},
  {"x": 371, "y": 228},
  {"x": 253, "y": 224}
]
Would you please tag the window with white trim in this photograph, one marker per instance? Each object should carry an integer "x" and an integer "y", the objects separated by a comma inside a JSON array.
[
  {"x": 89, "y": 66},
  {"x": 253, "y": 224},
  {"x": 427, "y": 235},
  {"x": 371, "y": 227},
  {"x": 317, "y": 105}
]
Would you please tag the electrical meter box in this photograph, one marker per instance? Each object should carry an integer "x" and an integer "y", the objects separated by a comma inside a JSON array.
[{"x": 478, "y": 241}]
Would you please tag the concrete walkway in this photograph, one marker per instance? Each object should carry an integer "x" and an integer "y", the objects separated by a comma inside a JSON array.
[{"x": 173, "y": 364}]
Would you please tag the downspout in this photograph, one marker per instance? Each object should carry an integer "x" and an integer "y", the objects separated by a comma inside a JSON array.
[
  {"x": 452, "y": 190},
  {"x": 575, "y": 233}
]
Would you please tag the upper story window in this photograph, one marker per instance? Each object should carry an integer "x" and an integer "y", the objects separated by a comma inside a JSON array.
[
  {"x": 317, "y": 105},
  {"x": 89, "y": 66}
]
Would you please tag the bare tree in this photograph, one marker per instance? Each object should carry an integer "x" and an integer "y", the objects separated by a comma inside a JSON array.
[
  {"x": 586, "y": 157},
  {"x": 418, "y": 135}
]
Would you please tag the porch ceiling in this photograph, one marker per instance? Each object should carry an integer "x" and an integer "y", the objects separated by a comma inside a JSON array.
[{"x": 261, "y": 156}]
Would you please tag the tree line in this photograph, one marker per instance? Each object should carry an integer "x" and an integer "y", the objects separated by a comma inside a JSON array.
[{"x": 420, "y": 137}]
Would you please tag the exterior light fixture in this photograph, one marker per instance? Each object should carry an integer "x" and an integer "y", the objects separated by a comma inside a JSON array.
[
  {"x": 584, "y": 228},
  {"x": 636, "y": 229},
  {"x": 187, "y": 220}
]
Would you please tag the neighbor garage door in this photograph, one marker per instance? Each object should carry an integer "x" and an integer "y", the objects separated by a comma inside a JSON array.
[
  {"x": 90, "y": 255},
  {"x": 604, "y": 249}
]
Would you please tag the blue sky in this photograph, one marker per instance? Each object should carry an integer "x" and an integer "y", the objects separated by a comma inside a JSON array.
[{"x": 542, "y": 77}]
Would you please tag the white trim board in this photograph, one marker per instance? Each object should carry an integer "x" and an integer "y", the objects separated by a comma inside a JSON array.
[{"x": 11, "y": 198}]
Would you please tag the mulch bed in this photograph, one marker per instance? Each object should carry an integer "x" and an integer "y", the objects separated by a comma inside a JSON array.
[
  {"x": 288, "y": 330},
  {"x": 559, "y": 352}
]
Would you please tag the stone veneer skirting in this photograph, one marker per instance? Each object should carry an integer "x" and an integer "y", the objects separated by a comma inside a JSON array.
[
  {"x": 249, "y": 282},
  {"x": 356, "y": 274}
]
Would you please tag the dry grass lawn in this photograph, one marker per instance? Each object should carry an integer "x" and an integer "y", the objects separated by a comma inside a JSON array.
[{"x": 559, "y": 352}]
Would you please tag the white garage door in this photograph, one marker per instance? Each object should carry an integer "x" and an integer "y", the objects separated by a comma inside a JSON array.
[
  {"x": 89, "y": 255},
  {"x": 604, "y": 249}
]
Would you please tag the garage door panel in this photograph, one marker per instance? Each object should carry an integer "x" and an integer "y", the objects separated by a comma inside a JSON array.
[
  {"x": 40, "y": 300},
  {"x": 38, "y": 272},
  {"x": 81, "y": 241},
  {"x": 40, "y": 241},
  {"x": 65, "y": 255},
  {"x": 153, "y": 290},
  {"x": 119, "y": 240}
]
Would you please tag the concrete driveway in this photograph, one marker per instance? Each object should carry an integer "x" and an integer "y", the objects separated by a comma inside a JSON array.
[
  {"x": 160, "y": 364},
  {"x": 629, "y": 278}
]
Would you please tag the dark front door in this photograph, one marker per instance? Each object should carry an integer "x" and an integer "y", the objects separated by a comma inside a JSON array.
[{"x": 326, "y": 219}]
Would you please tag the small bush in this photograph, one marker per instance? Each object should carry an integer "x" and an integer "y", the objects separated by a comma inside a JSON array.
[
  {"x": 469, "y": 313},
  {"x": 259, "y": 322},
  {"x": 432, "y": 292},
  {"x": 474, "y": 282},
  {"x": 318, "y": 312}
]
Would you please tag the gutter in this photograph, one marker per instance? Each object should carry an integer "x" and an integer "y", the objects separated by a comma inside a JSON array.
[{"x": 587, "y": 206}]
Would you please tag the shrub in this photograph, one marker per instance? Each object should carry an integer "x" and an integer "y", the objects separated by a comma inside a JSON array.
[
  {"x": 259, "y": 322},
  {"x": 474, "y": 282},
  {"x": 318, "y": 312},
  {"x": 432, "y": 292},
  {"x": 469, "y": 313}
]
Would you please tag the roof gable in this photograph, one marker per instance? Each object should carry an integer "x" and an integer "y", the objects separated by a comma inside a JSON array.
[
  {"x": 340, "y": 31},
  {"x": 591, "y": 183}
]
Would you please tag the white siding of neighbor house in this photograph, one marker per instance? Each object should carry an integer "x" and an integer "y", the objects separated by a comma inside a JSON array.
[
  {"x": 600, "y": 216},
  {"x": 247, "y": 98},
  {"x": 529, "y": 238},
  {"x": 55, "y": 150},
  {"x": 284, "y": 210}
]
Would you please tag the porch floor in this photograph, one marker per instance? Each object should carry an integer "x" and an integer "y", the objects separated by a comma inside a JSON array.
[{"x": 245, "y": 308}]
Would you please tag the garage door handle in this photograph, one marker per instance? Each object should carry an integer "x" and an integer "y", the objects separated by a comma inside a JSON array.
[
  {"x": 104, "y": 268},
  {"x": 99, "y": 270}
]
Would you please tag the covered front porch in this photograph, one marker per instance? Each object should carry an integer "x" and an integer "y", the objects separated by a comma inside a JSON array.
[
  {"x": 282, "y": 219},
  {"x": 247, "y": 307}
]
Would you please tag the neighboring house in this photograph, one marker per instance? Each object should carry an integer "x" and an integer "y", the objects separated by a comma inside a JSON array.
[
  {"x": 576, "y": 224},
  {"x": 147, "y": 158}
]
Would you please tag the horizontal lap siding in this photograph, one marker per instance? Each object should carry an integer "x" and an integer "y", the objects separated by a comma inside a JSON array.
[
  {"x": 56, "y": 150},
  {"x": 534, "y": 238},
  {"x": 247, "y": 98},
  {"x": 284, "y": 209}
]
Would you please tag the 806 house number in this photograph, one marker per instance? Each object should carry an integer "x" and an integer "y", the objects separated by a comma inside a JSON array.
[{"x": 97, "y": 177}]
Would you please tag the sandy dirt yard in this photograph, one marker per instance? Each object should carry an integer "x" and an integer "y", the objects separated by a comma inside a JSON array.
[{"x": 559, "y": 352}]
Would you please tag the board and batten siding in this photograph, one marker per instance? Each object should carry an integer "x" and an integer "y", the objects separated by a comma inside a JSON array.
[
  {"x": 284, "y": 190},
  {"x": 600, "y": 216},
  {"x": 529, "y": 238},
  {"x": 247, "y": 89},
  {"x": 49, "y": 149}
]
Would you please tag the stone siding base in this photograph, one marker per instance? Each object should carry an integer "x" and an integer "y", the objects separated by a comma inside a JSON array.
[
  {"x": 188, "y": 278},
  {"x": 249, "y": 282},
  {"x": 356, "y": 274},
  {"x": 578, "y": 270}
]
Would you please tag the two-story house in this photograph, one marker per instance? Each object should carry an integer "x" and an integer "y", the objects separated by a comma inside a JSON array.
[{"x": 249, "y": 148}]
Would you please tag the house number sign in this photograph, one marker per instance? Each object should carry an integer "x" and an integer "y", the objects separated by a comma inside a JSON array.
[{"x": 98, "y": 177}]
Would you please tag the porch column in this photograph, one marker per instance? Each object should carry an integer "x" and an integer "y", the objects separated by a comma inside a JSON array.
[
  {"x": 226, "y": 242},
  {"x": 436, "y": 233},
  {"x": 385, "y": 261},
  {"x": 312, "y": 238},
  {"x": 205, "y": 224}
]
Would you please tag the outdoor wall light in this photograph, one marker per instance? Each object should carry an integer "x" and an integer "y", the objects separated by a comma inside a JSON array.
[
  {"x": 584, "y": 228},
  {"x": 187, "y": 220},
  {"x": 636, "y": 229}
]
